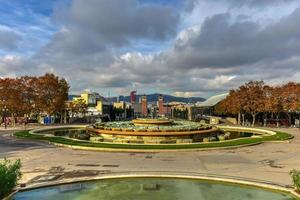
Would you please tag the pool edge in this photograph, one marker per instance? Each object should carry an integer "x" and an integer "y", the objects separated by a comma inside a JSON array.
[{"x": 241, "y": 181}]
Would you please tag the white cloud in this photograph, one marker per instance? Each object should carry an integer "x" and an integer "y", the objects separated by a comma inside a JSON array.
[{"x": 218, "y": 46}]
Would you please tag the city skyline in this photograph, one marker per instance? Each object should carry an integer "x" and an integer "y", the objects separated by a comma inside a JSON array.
[{"x": 182, "y": 48}]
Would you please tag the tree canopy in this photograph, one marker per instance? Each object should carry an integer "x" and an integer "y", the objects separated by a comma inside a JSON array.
[
  {"x": 27, "y": 95},
  {"x": 256, "y": 97}
]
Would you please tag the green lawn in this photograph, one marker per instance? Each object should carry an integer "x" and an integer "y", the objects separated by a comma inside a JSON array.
[{"x": 242, "y": 141}]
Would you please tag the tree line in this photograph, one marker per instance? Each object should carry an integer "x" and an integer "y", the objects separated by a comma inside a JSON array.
[
  {"x": 256, "y": 97},
  {"x": 29, "y": 95}
]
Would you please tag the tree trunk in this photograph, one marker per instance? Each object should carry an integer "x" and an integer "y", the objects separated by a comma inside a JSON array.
[
  {"x": 299, "y": 122},
  {"x": 13, "y": 120},
  {"x": 265, "y": 119},
  {"x": 239, "y": 118},
  {"x": 277, "y": 118},
  {"x": 290, "y": 118},
  {"x": 253, "y": 119},
  {"x": 243, "y": 117},
  {"x": 61, "y": 117}
]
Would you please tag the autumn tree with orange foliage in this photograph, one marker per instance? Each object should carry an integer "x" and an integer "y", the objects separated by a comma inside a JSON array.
[
  {"x": 290, "y": 94},
  {"x": 273, "y": 104},
  {"x": 53, "y": 93},
  {"x": 253, "y": 98},
  {"x": 27, "y": 95},
  {"x": 256, "y": 97},
  {"x": 10, "y": 91},
  {"x": 232, "y": 105}
]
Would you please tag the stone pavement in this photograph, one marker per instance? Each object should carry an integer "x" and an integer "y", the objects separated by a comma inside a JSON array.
[{"x": 44, "y": 162}]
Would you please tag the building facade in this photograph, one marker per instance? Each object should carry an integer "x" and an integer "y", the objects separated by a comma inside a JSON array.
[{"x": 144, "y": 105}]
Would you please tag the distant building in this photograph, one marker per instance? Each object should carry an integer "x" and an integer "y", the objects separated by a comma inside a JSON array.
[
  {"x": 137, "y": 109},
  {"x": 194, "y": 112},
  {"x": 208, "y": 107},
  {"x": 160, "y": 105},
  {"x": 90, "y": 98},
  {"x": 120, "y": 105},
  {"x": 144, "y": 105},
  {"x": 104, "y": 107},
  {"x": 96, "y": 103},
  {"x": 164, "y": 109},
  {"x": 132, "y": 96}
]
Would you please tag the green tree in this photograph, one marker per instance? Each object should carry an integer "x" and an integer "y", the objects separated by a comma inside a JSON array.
[
  {"x": 10, "y": 173},
  {"x": 295, "y": 174}
]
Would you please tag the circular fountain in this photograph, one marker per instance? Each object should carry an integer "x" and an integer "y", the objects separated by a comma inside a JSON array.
[
  {"x": 151, "y": 131},
  {"x": 149, "y": 122}
]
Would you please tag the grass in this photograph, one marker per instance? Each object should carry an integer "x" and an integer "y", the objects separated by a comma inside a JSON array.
[{"x": 280, "y": 136}]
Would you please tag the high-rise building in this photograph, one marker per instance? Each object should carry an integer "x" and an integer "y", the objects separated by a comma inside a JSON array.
[
  {"x": 132, "y": 96},
  {"x": 160, "y": 105},
  {"x": 144, "y": 105}
]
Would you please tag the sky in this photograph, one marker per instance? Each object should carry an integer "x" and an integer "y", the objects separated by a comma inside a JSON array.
[{"x": 178, "y": 47}]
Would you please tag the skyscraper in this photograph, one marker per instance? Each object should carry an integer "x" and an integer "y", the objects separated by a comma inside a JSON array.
[
  {"x": 144, "y": 105},
  {"x": 132, "y": 96},
  {"x": 160, "y": 105}
]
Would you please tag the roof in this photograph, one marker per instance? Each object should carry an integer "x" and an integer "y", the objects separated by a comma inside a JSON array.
[{"x": 212, "y": 101}]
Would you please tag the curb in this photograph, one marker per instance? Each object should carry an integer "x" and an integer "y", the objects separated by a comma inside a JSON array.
[
  {"x": 214, "y": 178},
  {"x": 150, "y": 150}
]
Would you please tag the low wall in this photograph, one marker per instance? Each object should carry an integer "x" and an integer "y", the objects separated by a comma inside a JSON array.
[
  {"x": 258, "y": 184},
  {"x": 247, "y": 129},
  {"x": 122, "y": 137},
  {"x": 37, "y": 131}
]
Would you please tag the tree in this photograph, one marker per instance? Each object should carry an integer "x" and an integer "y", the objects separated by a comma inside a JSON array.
[
  {"x": 10, "y": 173},
  {"x": 290, "y": 94},
  {"x": 77, "y": 107},
  {"x": 53, "y": 93},
  {"x": 29, "y": 94},
  {"x": 273, "y": 102},
  {"x": 26, "y": 95},
  {"x": 232, "y": 104},
  {"x": 253, "y": 98},
  {"x": 11, "y": 96}
]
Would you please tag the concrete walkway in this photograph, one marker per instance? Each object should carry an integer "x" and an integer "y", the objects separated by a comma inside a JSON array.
[{"x": 44, "y": 162}]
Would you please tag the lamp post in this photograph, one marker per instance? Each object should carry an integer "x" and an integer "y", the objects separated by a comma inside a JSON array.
[{"x": 4, "y": 116}]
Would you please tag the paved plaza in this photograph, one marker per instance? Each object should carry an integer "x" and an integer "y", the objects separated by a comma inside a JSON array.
[{"x": 265, "y": 162}]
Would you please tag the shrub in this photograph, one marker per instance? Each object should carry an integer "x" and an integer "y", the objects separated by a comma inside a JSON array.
[
  {"x": 295, "y": 174},
  {"x": 81, "y": 136},
  {"x": 221, "y": 137},
  {"x": 227, "y": 135},
  {"x": 10, "y": 173},
  {"x": 213, "y": 139}
]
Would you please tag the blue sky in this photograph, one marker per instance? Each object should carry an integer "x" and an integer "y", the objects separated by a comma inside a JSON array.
[
  {"x": 180, "y": 47},
  {"x": 31, "y": 20}
]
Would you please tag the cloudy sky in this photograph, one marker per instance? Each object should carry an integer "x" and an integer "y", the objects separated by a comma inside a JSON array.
[{"x": 184, "y": 48}]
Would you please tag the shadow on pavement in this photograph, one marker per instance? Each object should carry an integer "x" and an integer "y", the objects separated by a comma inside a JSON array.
[{"x": 10, "y": 144}]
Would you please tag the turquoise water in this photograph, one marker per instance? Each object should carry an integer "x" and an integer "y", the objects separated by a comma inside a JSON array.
[{"x": 151, "y": 189}]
